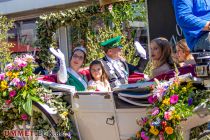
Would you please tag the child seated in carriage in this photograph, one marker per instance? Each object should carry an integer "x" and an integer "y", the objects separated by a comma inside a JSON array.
[{"x": 98, "y": 80}]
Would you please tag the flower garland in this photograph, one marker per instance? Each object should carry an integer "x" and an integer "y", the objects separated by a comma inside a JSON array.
[
  {"x": 171, "y": 103},
  {"x": 18, "y": 89}
]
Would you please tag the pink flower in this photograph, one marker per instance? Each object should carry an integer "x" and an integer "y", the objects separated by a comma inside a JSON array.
[
  {"x": 144, "y": 136},
  {"x": 155, "y": 111},
  {"x": 151, "y": 99},
  {"x": 143, "y": 121},
  {"x": 159, "y": 92},
  {"x": 30, "y": 78},
  {"x": 12, "y": 93},
  {"x": 161, "y": 136},
  {"x": 110, "y": 7},
  {"x": 174, "y": 99},
  {"x": 2, "y": 76},
  {"x": 20, "y": 62},
  {"x": 9, "y": 67},
  {"x": 24, "y": 117},
  {"x": 167, "y": 115},
  {"x": 15, "y": 81}
]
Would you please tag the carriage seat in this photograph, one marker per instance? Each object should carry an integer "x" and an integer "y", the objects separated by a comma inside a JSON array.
[
  {"x": 133, "y": 78},
  {"x": 171, "y": 73}
]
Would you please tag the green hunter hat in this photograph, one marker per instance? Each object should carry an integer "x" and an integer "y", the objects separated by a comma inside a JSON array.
[{"x": 112, "y": 43}]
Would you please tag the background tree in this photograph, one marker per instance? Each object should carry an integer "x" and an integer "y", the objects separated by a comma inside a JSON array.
[
  {"x": 5, "y": 53},
  {"x": 115, "y": 19}
]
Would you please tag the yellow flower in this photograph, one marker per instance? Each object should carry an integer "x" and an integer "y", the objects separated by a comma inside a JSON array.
[
  {"x": 64, "y": 114},
  {"x": 166, "y": 101},
  {"x": 162, "y": 106},
  {"x": 173, "y": 111},
  {"x": 189, "y": 85},
  {"x": 177, "y": 117},
  {"x": 172, "y": 91},
  {"x": 184, "y": 89},
  {"x": 3, "y": 85},
  {"x": 169, "y": 130},
  {"x": 154, "y": 131},
  {"x": 138, "y": 135},
  {"x": 15, "y": 74},
  {"x": 9, "y": 74}
]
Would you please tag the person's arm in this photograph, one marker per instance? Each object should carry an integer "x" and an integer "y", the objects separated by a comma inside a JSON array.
[
  {"x": 185, "y": 17},
  {"x": 62, "y": 72},
  {"x": 131, "y": 68}
]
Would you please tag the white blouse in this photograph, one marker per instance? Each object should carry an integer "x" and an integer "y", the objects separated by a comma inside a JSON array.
[{"x": 99, "y": 85}]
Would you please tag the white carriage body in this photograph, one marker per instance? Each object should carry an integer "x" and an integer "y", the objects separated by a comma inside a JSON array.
[{"x": 92, "y": 111}]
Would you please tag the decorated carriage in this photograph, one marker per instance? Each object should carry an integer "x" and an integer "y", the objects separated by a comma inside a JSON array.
[{"x": 29, "y": 111}]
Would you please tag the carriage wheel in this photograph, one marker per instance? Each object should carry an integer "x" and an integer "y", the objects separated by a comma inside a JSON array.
[{"x": 41, "y": 126}]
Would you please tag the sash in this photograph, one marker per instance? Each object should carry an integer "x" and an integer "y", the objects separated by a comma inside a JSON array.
[
  {"x": 117, "y": 75},
  {"x": 76, "y": 76}
]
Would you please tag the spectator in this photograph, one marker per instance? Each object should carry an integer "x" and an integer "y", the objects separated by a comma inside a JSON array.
[{"x": 193, "y": 16}]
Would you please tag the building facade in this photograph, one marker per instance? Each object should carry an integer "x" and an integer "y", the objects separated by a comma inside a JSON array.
[{"x": 26, "y": 12}]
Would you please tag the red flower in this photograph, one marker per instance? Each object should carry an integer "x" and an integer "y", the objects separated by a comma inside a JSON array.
[
  {"x": 8, "y": 102},
  {"x": 24, "y": 117},
  {"x": 164, "y": 123}
]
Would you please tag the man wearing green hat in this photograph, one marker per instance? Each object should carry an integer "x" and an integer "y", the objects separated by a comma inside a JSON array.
[{"x": 117, "y": 70}]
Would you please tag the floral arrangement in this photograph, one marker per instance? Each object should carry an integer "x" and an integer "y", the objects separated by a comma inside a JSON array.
[
  {"x": 171, "y": 103},
  {"x": 19, "y": 87}
]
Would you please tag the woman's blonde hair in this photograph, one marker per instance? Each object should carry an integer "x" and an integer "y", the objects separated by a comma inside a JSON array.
[
  {"x": 182, "y": 44},
  {"x": 165, "y": 47}
]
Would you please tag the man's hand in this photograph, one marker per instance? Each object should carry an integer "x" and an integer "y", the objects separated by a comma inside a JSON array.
[{"x": 207, "y": 26}]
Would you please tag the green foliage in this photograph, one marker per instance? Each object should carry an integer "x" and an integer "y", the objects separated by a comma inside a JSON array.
[
  {"x": 5, "y": 53},
  {"x": 115, "y": 19}
]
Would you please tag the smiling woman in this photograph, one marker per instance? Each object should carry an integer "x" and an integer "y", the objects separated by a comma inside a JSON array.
[
  {"x": 183, "y": 53},
  {"x": 71, "y": 75}
]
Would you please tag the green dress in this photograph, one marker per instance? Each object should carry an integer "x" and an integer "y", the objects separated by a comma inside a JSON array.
[{"x": 74, "y": 79}]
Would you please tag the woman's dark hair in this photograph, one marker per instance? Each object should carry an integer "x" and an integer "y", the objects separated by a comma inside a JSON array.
[
  {"x": 104, "y": 76},
  {"x": 84, "y": 61}
]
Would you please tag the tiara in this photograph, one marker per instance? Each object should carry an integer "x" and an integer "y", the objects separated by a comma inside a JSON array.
[{"x": 81, "y": 48}]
